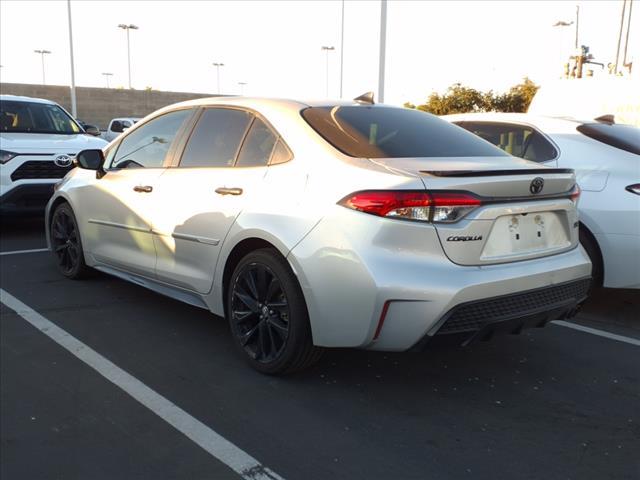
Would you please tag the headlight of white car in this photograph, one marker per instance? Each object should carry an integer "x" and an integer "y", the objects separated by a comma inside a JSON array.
[{"x": 5, "y": 156}]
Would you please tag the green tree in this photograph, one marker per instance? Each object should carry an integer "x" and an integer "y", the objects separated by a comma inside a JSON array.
[{"x": 461, "y": 99}]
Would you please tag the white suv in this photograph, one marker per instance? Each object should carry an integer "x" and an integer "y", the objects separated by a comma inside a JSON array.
[{"x": 38, "y": 140}]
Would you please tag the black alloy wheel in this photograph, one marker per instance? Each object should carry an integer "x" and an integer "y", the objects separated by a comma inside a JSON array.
[
  {"x": 66, "y": 244},
  {"x": 268, "y": 315},
  {"x": 260, "y": 312}
]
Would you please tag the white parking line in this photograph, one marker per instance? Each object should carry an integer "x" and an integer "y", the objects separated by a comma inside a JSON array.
[
  {"x": 600, "y": 333},
  {"x": 235, "y": 458},
  {"x": 17, "y": 252}
]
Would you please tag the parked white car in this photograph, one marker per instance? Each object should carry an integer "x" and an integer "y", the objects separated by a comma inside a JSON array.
[
  {"x": 314, "y": 225},
  {"x": 606, "y": 159},
  {"x": 117, "y": 126},
  {"x": 38, "y": 140}
]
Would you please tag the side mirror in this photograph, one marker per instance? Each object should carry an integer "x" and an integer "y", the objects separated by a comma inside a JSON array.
[
  {"x": 90, "y": 159},
  {"x": 116, "y": 126},
  {"x": 92, "y": 130}
]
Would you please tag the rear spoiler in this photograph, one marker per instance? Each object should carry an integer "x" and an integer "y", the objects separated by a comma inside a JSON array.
[{"x": 496, "y": 173}]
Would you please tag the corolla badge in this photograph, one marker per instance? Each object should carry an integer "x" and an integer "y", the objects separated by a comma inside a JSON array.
[
  {"x": 537, "y": 184},
  {"x": 62, "y": 161}
]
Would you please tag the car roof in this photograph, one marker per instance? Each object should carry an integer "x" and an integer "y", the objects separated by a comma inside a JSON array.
[
  {"x": 19, "y": 98},
  {"x": 257, "y": 102},
  {"x": 545, "y": 123}
]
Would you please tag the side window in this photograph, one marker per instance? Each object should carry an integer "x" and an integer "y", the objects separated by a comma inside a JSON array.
[
  {"x": 126, "y": 124},
  {"x": 281, "y": 154},
  {"x": 257, "y": 147},
  {"x": 147, "y": 146},
  {"x": 216, "y": 138},
  {"x": 519, "y": 140}
]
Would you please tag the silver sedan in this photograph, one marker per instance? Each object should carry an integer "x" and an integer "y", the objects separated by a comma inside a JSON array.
[{"x": 336, "y": 224}]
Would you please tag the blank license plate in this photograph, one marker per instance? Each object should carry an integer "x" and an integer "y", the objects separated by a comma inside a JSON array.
[{"x": 526, "y": 233}]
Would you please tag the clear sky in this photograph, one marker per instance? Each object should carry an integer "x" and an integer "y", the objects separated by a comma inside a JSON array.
[{"x": 275, "y": 46}]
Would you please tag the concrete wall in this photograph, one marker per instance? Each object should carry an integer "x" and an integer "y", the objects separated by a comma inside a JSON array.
[{"x": 99, "y": 105}]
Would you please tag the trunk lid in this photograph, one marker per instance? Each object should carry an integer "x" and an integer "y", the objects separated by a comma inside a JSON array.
[{"x": 526, "y": 210}]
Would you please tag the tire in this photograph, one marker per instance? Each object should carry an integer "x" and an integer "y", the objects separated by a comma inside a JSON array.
[
  {"x": 268, "y": 316},
  {"x": 592, "y": 249},
  {"x": 66, "y": 243}
]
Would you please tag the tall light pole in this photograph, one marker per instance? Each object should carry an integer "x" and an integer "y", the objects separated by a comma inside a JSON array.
[
  {"x": 242, "y": 84},
  {"x": 327, "y": 49},
  {"x": 106, "y": 76},
  {"x": 383, "y": 49},
  {"x": 127, "y": 28},
  {"x": 74, "y": 109},
  {"x": 341, "y": 47},
  {"x": 218, "y": 65},
  {"x": 42, "y": 54}
]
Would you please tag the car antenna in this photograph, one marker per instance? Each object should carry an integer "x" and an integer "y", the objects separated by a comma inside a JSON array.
[
  {"x": 608, "y": 118},
  {"x": 365, "y": 98}
]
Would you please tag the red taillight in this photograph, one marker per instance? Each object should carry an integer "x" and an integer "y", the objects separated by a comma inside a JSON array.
[
  {"x": 635, "y": 188},
  {"x": 413, "y": 205},
  {"x": 575, "y": 193}
]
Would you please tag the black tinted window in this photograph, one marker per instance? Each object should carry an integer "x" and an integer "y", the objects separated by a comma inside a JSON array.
[
  {"x": 216, "y": 138},
  {"x": 257, "y": 147},
  {"x": 148, "y": 145},
  {"x": 624, "y": 137},
  {"x": 281, "y": 154},
  {"x": 519, "y": 140},
  {"x": 378, "y": 132}
]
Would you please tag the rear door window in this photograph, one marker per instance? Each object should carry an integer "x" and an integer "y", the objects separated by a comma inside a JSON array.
[
  {"x": 520, "y": 140},
  {"x": 258, "y": 145},
  {"x": 373, "y": 131},
  {"x": 216, "y": 138}
]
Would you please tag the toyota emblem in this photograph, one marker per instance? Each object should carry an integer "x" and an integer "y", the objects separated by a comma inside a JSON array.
[
  {"x": 537, "y": 184},
  {"x": 62, "y": 161}
]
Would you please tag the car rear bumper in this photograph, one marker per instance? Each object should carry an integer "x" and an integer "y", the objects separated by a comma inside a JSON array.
[
  {"x": 621, "y": 256},
  {"x": 482, "y": 319},
  {"x": 379, "y": 285},
  {"x": 27, "y": 198}
]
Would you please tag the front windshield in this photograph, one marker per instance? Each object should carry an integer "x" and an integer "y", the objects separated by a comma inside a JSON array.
[{"x": 32, "y": 117}]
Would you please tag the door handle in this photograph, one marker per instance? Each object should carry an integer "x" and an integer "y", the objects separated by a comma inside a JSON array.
[
  {"x": 228, "y": 191},
  {"x": 143, "y": 188}
]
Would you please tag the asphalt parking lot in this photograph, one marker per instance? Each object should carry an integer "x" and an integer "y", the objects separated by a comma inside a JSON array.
[{"x": 555, "y": 403}]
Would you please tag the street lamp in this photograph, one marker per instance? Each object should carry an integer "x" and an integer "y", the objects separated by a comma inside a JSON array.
[
  {"x": 563, "y": 23},
  {"x": 327, "y": 50},
  {"x": 42, "y": 54},
  {"x": 242, "y": 84},
  {"x": 127, "y": 28},
  {"x": 218, "y": 65},
  {"x": 383, "y": 50},
  {"x": 106, "y": 76}
]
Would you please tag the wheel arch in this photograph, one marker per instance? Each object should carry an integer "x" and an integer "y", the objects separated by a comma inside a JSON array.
[
  {"x": 598, "y": 271},
  {"x": 51, "y": 207},
  {"x": 237, "y": 252}
]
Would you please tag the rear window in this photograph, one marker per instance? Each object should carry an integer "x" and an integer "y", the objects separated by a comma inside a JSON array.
[
  {"x": 387, "y": 132},
  {"x": 624, "y": 137}
]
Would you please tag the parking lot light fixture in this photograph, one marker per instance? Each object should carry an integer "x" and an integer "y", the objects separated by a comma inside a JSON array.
[
  {"x": 218, "y": 65},
  {"x": 127, "y": 28},
  {"x": 327, "y": 49},
  {"x": 42, "y": 54}
]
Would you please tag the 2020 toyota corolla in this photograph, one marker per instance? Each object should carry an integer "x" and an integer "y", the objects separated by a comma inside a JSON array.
[{"x": 311, "y": 225}]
